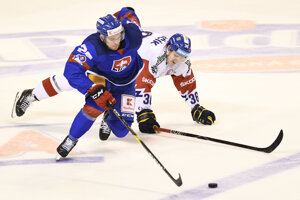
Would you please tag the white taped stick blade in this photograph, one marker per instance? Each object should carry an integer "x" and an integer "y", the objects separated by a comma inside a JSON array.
[{"x": 58, "y": 157}]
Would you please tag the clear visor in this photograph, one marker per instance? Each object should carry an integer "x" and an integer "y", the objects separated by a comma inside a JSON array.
[
  {"x": 179, "y": 54},
  {"x": 114, "y": 38},
  {"x": 179, "y": 57},
  {"x": 182, "y": 53}
]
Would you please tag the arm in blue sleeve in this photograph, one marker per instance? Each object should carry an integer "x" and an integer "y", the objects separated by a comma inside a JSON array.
[
  {"x": 75, "y": 74},
  {"x": 79, "y": 61},
  {"x": 128, "y": 15}
]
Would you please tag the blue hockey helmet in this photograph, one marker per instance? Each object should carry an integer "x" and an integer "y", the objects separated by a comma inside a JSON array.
[
  {"x": 109, "y": 25},
  {"x": 181, "y": 44}
]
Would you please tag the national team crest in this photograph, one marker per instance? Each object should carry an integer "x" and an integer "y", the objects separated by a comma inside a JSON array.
[{"x": 120, "y": 65}]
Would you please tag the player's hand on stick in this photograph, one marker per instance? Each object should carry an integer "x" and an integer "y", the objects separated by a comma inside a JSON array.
[
  {"x": 147, "y": 121},
  {"x": 101, "y": 96},
  {"x": 202, "y": 115}
]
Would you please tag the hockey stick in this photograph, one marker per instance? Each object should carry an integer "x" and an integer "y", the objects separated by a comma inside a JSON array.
[
  {"x": 268, "y": 149},
  {"x": 177, "y": 181}
]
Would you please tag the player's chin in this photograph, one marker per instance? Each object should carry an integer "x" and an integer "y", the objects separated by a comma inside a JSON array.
[
  {"x": 172, "y": 63},
  {"x": 114, "y": 48}
]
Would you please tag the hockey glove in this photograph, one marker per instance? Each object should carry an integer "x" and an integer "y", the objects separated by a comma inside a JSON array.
[
  {"x": 203, "y": 115},
  {"x": 147, "y": 121},
  {"x": 101, "y": 96}
]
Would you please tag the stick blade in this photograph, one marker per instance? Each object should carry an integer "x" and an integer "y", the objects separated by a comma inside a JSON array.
[
  {"x": 58, "y": 157},
  {"x": 275, "y": 144},
  {"x": 178, "y": 181}
]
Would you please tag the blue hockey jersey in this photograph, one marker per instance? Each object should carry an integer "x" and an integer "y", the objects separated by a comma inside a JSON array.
[{"x": 119, "y": 67}]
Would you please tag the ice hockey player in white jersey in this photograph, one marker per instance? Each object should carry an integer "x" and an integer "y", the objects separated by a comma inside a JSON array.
[{"x": 163, "y": 57}]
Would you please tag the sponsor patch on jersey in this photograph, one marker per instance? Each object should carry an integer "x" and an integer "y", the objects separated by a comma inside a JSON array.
[
  {"x": 182, "y": 84},
  {"x": 79, "y": 58},
  {"x": 120, "y": 65},
  {"x": 149, "y": 81},
  {"x": 127, "y": 103}
]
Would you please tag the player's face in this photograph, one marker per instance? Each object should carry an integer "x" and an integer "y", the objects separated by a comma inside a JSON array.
[
  {"x": 174, "y": 58},
  {"x": 113, "y": 42}
]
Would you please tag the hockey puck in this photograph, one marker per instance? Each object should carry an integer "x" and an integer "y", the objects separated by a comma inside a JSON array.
[{"x": 212, "y": 185}]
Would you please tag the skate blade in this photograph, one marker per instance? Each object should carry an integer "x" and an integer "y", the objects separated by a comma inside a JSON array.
[{"x": 13, "y": 111}]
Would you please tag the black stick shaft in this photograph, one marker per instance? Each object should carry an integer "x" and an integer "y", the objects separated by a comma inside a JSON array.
[
  {"x": 177, "y": 181},
  {"x": 268, "y": 149}
]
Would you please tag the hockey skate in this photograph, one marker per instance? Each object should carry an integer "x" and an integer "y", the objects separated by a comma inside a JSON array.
[
  {"x": 104, "y": 131},
  {"x": 65, "y": 147},
  {"x": 22, "y": 102}
]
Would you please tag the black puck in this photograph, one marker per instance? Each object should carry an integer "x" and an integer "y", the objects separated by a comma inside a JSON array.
[{"x": 212, "y": 185}]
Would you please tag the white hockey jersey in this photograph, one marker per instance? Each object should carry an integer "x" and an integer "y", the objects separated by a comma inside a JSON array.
[{"x": 154, "y": 54}]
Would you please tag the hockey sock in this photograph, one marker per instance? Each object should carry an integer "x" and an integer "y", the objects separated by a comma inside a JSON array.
[
  {"x": 44, "y": 89},
  {"x": 81, "y": 124}
]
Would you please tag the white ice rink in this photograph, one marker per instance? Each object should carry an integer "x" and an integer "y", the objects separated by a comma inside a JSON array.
[{"x": 247, "y": 64}]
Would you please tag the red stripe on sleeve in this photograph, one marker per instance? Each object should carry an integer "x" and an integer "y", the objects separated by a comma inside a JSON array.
[
  {"x": 131, "y": 17},
  {"x": 84, "y": 64}
]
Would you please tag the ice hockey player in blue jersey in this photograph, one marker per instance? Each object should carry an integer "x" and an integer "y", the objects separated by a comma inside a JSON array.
[
  {"x": 111, "y": 54},
  {"x": 163, "y": 58}
]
